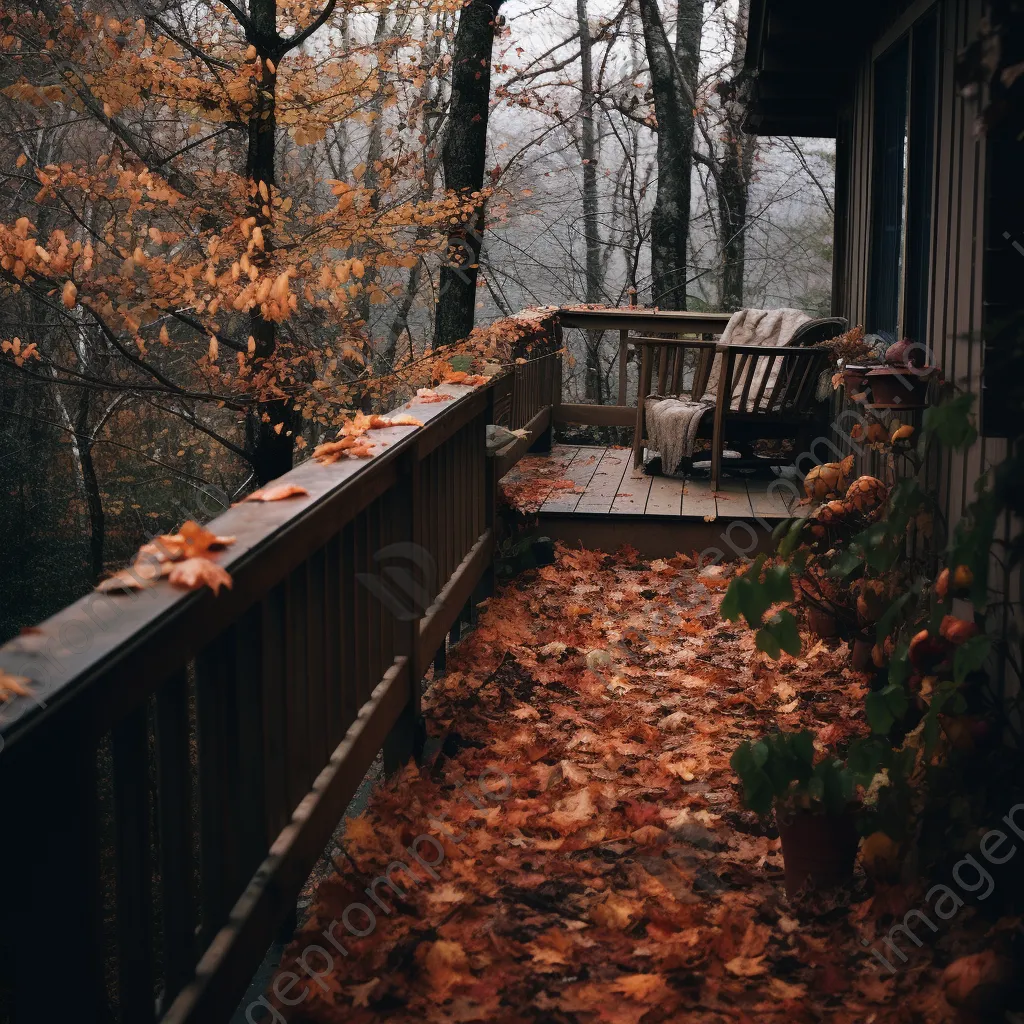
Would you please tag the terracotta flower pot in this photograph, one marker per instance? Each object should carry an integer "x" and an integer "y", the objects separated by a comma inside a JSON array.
[
  {"x": 819, "y": 850},
  {"x": 860, "y": 654},
  {"x": 855, "y": 379},
  {"x": 822, "y": 622},
  {"x": 898, "y": 387}
]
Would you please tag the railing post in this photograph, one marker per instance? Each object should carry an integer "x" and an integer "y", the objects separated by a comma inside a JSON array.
[
  {"x": 623, "y": 361},
  {"x": 550, "y": 384}
]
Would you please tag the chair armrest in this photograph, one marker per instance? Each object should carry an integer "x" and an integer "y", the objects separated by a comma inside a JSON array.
[{"x": 775, "y": 350}]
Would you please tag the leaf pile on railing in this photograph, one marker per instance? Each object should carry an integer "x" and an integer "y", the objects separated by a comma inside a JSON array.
[
  {"x": 182, "y": 558},
  {"x": 352, "y": 442}
]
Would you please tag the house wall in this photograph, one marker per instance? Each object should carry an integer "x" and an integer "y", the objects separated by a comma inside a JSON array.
[
  {"x": 958, "y": 238},
  {"x": 957, "y": 230}
]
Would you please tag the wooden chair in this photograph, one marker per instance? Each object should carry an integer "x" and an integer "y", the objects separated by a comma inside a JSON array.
[
  {"x": 673, "y": 358},
  {"x": 766, "y": 394},
  {"x": 763, "y": 394}
]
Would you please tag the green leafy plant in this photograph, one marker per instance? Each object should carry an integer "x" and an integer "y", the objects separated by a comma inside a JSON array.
[{"x": 779, "y": 771}]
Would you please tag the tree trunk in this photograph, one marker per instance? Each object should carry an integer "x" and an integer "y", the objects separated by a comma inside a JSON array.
[
  {"x": 673, "y": 82},
  {"x": 591, "y": 224},
  {"x": 269, "y": 425},
  {"x": 464, "y": 159},
  {"x": 733, "y": 191},
  {"x": 735, "y": 169}
]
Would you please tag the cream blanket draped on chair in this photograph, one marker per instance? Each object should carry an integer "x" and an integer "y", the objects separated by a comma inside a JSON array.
[{"x": 674, "y": 421}]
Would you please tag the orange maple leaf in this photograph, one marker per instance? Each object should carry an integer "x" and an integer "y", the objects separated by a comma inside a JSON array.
[
  {"x": 195, "y": 573},
  {"x": 12, "y": 686},
  {"x": 277, "y": 493}
]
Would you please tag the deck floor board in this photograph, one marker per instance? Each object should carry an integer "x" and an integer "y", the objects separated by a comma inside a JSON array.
[
  {"x": 580, "y": 471},
  {"x": 605, "y": 484}
]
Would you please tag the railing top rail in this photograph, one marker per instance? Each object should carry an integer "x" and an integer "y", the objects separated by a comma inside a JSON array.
[
  {"x": 96, "y": 658},
  {"x": 631, "y": 318}
]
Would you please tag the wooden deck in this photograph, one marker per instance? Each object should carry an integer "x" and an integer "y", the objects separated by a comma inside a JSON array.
[{"x": 610, "y": 504}]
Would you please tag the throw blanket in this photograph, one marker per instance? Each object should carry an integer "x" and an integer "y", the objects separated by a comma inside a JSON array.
[{"x": 673, "y": 422}]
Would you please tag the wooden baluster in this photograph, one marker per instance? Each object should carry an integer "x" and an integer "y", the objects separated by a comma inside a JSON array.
[
  {"x": 174, "y": 825},
  {"x": 463, "y": 482},
  {"x": 361, "y": 610},
  {"x": 247, "y": 769},
  {"x": 678, "y": 363},
  {"x": 350, "y": 589},
  {"x": 315, "y": 646},
  {"x": 375, "y": 634},
  {"x": 300, "y": 772},
  {"x": 663, "y": 369},
  {"x": 134, "y": 877},
  {"x": 217, "y": 742},
  {"x": 274, "y": 675},
  {"x": 448, "y": 499},
  {"x": 407, "y": 737},
  {"x": 333, "y": 709}
]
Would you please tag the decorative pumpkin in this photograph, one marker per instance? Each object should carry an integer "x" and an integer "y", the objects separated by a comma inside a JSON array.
[
  {"x": 866, "y": 493},
  {"x": 834, "y": 511},
  {"x": 828, "y": 480},
  {"x": 963, "y": 578},
  {"x": 905, "y": 353},
  {"x": 957, "y": 631}
]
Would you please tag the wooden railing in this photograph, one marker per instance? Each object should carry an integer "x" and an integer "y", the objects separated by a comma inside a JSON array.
[
  {"x": 631, "y": 323},
  {"x": 183, "y": 758}
]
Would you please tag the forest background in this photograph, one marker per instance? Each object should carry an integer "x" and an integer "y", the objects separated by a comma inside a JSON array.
[{"x": 223, "y": 228}]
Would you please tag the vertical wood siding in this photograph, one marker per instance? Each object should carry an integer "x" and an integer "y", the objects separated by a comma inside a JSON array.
[{"x": 955, "y": 306}]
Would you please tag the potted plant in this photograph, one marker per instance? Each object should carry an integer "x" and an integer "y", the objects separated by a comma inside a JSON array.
[
  {"x": 814, "y": 802},
  {"x": 898, "y": 387}
]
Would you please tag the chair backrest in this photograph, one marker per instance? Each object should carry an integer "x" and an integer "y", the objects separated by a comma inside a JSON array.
[
  {"x": 675, "y": 366},
  {"x": 773, "y": 381},
  {"x": 824, "y": 328}
]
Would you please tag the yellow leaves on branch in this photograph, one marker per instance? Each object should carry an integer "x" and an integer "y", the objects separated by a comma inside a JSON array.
[
  {"x": 183, "y": 557},
  {"x": 18, "y": 351},
  {"x": 70, "y": 295}
]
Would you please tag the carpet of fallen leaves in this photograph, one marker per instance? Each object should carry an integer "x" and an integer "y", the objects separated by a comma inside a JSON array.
[{"x": 620, "y": 881}]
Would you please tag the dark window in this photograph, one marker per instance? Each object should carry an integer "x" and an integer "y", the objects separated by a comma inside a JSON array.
[
  {"x": 1002, "y": 396},
  {"x": 923, "y": 99},
  {"x": 887, "y": 209},
  {"x": 906, "y": 93}
]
